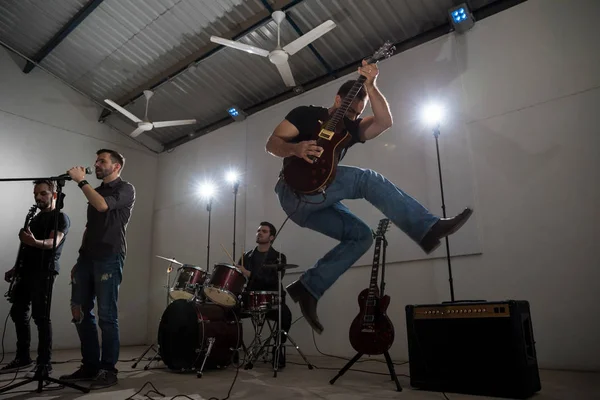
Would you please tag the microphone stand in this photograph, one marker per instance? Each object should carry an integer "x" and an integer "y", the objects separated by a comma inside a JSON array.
[{"x": 41, "y": 374}]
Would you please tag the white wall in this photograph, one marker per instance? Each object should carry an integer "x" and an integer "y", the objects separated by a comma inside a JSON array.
[
  {"x": 522, "y": 92},
  {"x": 45, "y": 128}
]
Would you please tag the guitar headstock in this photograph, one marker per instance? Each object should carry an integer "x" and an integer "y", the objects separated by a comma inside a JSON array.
[
  {"x": 385, "y": 51},
  {"x": 31, "y": 212},
  {"x": 382, "y": 227}
]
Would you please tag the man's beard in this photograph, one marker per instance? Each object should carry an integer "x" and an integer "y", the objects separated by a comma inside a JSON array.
[
  {"x": 103, "y": 173},
  {"x": 42, "y": 205}
]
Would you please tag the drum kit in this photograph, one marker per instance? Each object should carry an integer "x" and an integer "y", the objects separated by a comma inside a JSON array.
[{"x": 201, "y": 324}]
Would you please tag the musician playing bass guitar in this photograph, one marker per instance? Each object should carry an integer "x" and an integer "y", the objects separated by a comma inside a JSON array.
[
  {"x": 32, "y": 276},
  {"x": 304, "y": 138}
]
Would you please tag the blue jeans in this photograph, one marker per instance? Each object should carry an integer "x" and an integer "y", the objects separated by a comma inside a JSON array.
[
  {"x": 332, "y": 218},
  {"x": 101, "y": 278}
]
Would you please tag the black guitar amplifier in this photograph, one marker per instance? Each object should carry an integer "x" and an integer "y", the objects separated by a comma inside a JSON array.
[{"x": 479, "y": 348}]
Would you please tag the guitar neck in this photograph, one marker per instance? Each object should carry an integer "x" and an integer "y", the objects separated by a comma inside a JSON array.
[
  {"x": 348, "y": 99},
  {"x": 375, "y": 269}
]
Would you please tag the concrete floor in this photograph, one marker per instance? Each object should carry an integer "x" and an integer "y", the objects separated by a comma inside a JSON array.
[{"x": 295, "y": 381}]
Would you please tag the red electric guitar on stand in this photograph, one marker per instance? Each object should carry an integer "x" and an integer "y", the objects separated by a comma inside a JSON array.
[
  {"x": 307, "y": 178},
  {"x": 372, "y": 331}
]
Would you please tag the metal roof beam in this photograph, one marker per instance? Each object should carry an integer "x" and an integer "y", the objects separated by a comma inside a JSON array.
[
  {"x": 242, "y": 29},
  {"x": 62, "y": 34}
]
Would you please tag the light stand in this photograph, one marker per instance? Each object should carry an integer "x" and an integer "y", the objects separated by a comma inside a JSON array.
[
  {"x": 236, "y": 186},
  {"x": 436, "y": 134},
  {"x": 209, "y": 209},
  {"x": 41, "y": 374}
]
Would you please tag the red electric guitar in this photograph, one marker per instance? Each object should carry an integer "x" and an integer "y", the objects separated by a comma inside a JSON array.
[
  {"x": 372, "y": 331},
  {"x": 332, "y": 136}
]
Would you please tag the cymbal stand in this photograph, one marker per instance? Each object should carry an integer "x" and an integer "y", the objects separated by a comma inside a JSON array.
[{"x": 154, "y": 346}]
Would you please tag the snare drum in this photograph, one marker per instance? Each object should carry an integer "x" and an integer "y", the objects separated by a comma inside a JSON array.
[
  {"x": 225, "y": 285},
  {"x": 261, "y": 301},
  {"x": 188, "y": 282}
]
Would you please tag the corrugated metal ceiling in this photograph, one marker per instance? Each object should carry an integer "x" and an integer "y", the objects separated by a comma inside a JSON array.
[{"x": 126, "y": 46}]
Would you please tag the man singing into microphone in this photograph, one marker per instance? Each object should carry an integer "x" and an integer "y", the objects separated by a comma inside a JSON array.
[
  {"x": 33, "y": 275},
  {"x": 99, "y": 268}
]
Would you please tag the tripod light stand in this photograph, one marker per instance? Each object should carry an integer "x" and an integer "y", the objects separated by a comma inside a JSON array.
[
  {"x": 207, "y": 191},
  {"x": 232, "y": 177},
  {"x": 433, "y": 115},
  {"x": 436, "y": 135},
  {"x": 209, "y": 209}
]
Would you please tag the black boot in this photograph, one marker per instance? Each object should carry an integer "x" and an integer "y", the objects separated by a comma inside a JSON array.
[
  {"x": 443, "y": 228},
  {"x": 308, "y": 304}
]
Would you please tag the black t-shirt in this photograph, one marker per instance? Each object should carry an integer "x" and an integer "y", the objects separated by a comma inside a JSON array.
[
  {"x": 42, "y": 226},
  {"x": 306, "y": 120}
]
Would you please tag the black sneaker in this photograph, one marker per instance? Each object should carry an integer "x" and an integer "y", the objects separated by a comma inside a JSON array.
[
  {"x": 32, "y": 372},
  {"x": 82, "y": 374},
  {"x": 104, "y": 379},
  {"x": 16, "y": 365}
]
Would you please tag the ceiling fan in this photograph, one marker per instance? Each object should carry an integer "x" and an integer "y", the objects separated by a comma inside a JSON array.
[
  {"x": 145, "y": 125},
  {"x": 279, "y": 56}
]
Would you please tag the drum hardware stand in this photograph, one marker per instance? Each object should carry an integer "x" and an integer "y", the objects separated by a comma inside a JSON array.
[
  {"x": 211, "y": 342},
  {"x": 388, "y": 359},
  {"x": 276, "y": 335},
  {"x": 256, "y": 346},
  {"x": 41, "y": 373},
  {"x": 154, "y": 346}
]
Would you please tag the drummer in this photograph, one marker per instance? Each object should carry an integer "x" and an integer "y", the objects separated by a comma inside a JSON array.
[{"x": 262, "y": 278}]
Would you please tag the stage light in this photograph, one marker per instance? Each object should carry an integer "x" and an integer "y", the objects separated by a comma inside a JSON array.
[
  {"x": 461, "y": 18},
  {"x": 207, "y": 190},
  {"x": 232, "y": 177},
  {"x": 236, "y": 113},
  {"x": 433, "y": 114}
]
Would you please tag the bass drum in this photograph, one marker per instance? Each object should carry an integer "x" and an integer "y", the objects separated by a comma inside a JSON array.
[{"x": 186, "y": 328}]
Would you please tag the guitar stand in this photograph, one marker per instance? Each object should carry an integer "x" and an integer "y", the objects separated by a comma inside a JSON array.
[
  {"x": 388, "y": 360},
  {"x": 386, "y": 354}
]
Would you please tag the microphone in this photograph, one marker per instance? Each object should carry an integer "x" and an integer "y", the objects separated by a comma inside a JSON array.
[{"x": 66, "y": 177}]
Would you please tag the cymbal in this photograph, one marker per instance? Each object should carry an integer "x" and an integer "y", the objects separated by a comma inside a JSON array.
[
  {"x": 174, "y": 261},
  {"x": 282, "y": 266}
]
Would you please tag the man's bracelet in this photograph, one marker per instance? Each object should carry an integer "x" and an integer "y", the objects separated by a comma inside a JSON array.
[{"x": 83, "y": 183}]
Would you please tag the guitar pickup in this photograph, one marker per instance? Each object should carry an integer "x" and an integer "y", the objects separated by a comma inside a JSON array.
[
  {"x": 325, "y": 134},
  {"x": 371, "y": 303},
  {"x": 369, "y": 318}
]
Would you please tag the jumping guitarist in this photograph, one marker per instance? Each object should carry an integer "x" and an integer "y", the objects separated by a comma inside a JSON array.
[{"x": 320, "y": 136}]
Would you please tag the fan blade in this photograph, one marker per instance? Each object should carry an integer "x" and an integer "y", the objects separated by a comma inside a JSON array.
[
  {"x": 137, "y": 132},
  {"x": 163, "y": 124},
  {"x": 286, "y": 74},
  {"x": 123, "y": 111},
  {"x": 309, "y": 37},
  {"x": 240, "y": 46}
]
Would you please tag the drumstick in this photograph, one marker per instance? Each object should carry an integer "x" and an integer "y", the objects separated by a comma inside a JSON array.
[{"x": 228, "y": 255}]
